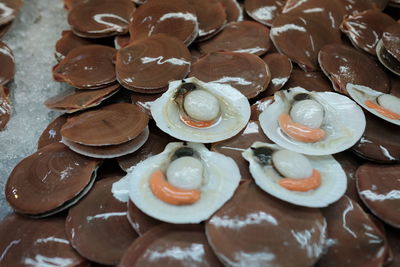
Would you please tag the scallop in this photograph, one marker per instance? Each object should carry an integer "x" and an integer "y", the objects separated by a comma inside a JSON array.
[
  {"x": 313, "y": 123},
  {"x": 388, "y": 50},
  {"x": 195, "y": 111},
  {"x": 385, "y": 106},
  {"x": 310, "y": 181},
  {"x": 186, "y": 183}
]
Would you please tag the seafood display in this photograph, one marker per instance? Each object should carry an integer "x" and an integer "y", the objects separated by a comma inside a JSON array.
[{"x": 211, "y": 133}]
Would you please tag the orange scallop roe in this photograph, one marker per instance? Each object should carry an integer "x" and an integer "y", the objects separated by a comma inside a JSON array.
[
  {"x": 196, "y": 124},
  {"x": 169, "y": 193},
  {"x": 302, "y": 185},
  {"x": 299, "y": 131},
  {"x": 383, "y": 111}
]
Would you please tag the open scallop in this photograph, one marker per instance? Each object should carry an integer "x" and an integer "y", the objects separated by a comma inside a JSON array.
[
  {"x": 186, "y": 183},
  {"x": 195, "y": 111},
  {"x": 385, "y": 106},
  {"x": 313, "y": 123},
  {"x": 314, "y": 181}
]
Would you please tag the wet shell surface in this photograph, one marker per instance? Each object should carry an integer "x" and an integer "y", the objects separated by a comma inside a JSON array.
[
  {"x": 79, "y": 100},
  {"x": 7, "y": 63},
  {"x": 50, "y": 180},
  {"x": 5, "y": 107},
  {"x": 87, "y": 67},
  {"x": 281, "y": 69},
  {"x": 68, "y": 42},
  {"x": 31, "y": 242},
  {"x": 362, "y": 94},
  {"x": 110, "y": 151},
  {"x": 175, "y": 18},
  {"x": 243, "y": 71},
  {"x": 263, "y": 11},
  {"x": 234, "y": 112},
  {"x": 9, "y": 10},
  {"x": 344, "y": 64},
  {"x": 149, "y": 64},
  {"x": 52, "y": 132},
  {"x": 254, "y": 38},
  {"x": 101, "y": 18},
  {"x": 388, "y": 50},
  {"x": 266, "y": 175},
  {"x": 110, "y": 125},
  {"x": 342, "y": 121},
  {"x": 217, "y": 185},
  {"x": 256, "y": 229},
  {"x": 98, "y": 224}
]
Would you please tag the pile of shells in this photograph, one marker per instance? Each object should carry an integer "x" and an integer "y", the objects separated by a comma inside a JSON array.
[
  {"x": 8, "y": 11},
  {"x": 168, "y": 154}
]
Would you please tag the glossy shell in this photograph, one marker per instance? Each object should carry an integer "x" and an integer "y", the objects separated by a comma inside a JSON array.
[
  {"x": 234, "y": 117},
  {"x": 255, "y": 229},
  {"x": 7, "y": 63},
  {"x": 110, "y": 125},
  {"x": 98, "y": 224},
  {"x": 263, "y": 11},
  {"x": 243, "y": 71},
  {"x": 217, "y": 188},
  {"x": 360, "y": 94},
  {"x": 87, "y": 67},
  {"x": 50, "y": 180},
  {"x": 149, "y": 64},
  {"x": 5, "y": 107},
  {"x": 344, "y": 123},
  {"x": 333, "y": 180}
]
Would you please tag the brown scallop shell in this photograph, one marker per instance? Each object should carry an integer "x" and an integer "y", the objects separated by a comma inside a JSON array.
[
  {"x": 210, "y": 15},
  {"x": 355, "y": 240},
  {"x": 356, "y": 6},
  {"x": 4, "y": 29},
  {"x": 343, "y": 64},
  {"x": 154, "y": 145},
  {"x": 68, "y": 42},
  {"x": 144, "y": 101},
  {"x": 330, "y": 13},
  {"x": 233, "y": 147},
  {"x": 256, "y": 229},
  {"x": 5, "y": 107},
  {"x": 233, "y": 10},
  {"x": 264, "y": 11},
  {"x": 101, "y": 18},
  {"x": 9, "y": 10},
  {"x": 365, "y": 29},
  {"x": 301, "y": 38},
  {"x": 140, "y": 221},
  {"x": 110, "y": 125},
  {"x": 69, "y": 4},
  {"x": 49, "y": 180},
  {"x": 379, "y": 188},
  {"x": 87, "y": 67},
  {"x": 391, "y": 40},
  {"x": 244, "y": 71},
  {"x": 97, "y": 226},
  {"x": 170, "y": 245},
  {"x": 110, "y": 151},
  {"x": 350, "y": 164},
  {"x": 281, "y": 69},
  {"x": 152, "y": 63},
  {"x": 175, "y": 18},
  {"x": 259, "y": 106},
  {"x": 78, "y": 100},
  {"x": 380, "y": 141},
  {"x": 254, "y": 38},
  {"x": 121, "y": 41},
  {"x": 311, "y": 81},
  {"x": 29, "y": 242},
  {"x": 52, "y": 132},
  {"x": 7, "y": 63}
]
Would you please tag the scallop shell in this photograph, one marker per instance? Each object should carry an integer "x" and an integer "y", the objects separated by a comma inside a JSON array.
[
  {"x": 344, "y": 123},
  {"x": 360, "y": 94},
  {"x": 235, "y": 113},
  {"x": 218, "y": 187},
  {"x": 333, "y": 180}
]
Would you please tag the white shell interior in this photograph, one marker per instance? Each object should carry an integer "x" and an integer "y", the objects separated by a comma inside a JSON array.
[
  {"x": 235, "y": 113},
  {"x": 333, "y": 180},
  {"x": 217, "y": 188},
  {"x": 344, "y": 122},
  {"x": 360, "y": 94}
]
